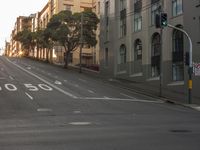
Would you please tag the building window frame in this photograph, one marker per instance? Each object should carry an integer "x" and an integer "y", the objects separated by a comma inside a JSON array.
[
  {"x": 138, "y": 49},
  {"x": 155, "y": 9},
  {"x": 177, "y": 55},
  {"x": 122, "y": 22},
  {"x": 122, "y": 54},
  {"x": 137, "y": 22},
  {"x": 177, "y": 7}
]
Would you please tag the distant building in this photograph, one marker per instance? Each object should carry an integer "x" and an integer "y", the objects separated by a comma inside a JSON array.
[
  {"x": 22, "y": 22},
  {"x": 131, "y": 45}
]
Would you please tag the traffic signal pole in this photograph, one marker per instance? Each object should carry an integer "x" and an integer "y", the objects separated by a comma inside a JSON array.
[{"x": 190, "y": 69}]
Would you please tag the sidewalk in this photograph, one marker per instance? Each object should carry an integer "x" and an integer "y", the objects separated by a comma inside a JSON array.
[{"x": 142, "y": 88}]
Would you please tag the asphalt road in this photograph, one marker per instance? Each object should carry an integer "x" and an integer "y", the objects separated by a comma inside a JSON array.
[{"x": 44, "y": 107}]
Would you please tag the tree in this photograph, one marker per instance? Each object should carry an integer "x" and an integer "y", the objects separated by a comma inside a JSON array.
[
  {"x": 65, "y": 28},
  {"x": 27, "y": 39}
]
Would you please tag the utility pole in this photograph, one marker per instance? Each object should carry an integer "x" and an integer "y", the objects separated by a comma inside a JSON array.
[
  {"x": 81, "y": 43},
  {"x": 161, "y": 49}
]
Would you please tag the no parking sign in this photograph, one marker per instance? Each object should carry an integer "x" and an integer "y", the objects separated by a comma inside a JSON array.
[{"x": 196, "y": 69}]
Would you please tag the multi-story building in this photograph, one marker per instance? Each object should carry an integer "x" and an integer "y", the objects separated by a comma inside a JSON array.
[
  {"x": 21, "y": 23},
  {"x": 133, "y": 49},
  {"x": 7, "y": 49}
]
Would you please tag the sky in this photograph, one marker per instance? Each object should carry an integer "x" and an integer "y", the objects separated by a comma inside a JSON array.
[{"x": 10, "y": 10}]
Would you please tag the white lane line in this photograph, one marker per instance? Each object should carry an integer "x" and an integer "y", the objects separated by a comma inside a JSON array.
[
  {"x": 76, "y": 85},
  {"x": 127, "y": 96},
  {"x": 65, "y": 81},
  {"x": 82, "y": 80},
  {"x": 91, "y": 91},
  {"x": 77, "y": 112},
  {"x": 58, "y": 82},
  {"x": 45, "y": 81},
  {"x": 29, "y": 96},
  {"x": 105, "y": 97},
  {"x": 11, "y": 77},
  {"x": 121, "y": 99},
  {"x": 44, "y": 110},
  {"x": 80, "y": 123}
]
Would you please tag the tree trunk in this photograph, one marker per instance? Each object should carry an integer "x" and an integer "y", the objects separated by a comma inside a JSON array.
[
  {"x": 66, "y": 59},
  {"x": 47, "y": 55}
]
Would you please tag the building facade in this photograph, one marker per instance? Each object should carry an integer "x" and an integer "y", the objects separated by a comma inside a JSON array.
[
  {"x": 132, "y": 48},
  {"x": 22, "y": 22}
]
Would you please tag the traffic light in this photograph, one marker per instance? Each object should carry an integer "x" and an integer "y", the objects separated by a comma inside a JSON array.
[{"x": 163, "y": 19}]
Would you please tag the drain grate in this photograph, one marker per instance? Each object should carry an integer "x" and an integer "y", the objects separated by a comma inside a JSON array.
[{"x": 180, "y": 131}]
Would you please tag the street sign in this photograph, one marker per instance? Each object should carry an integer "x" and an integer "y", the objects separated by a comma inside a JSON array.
[{"x": 196, "y": 69}]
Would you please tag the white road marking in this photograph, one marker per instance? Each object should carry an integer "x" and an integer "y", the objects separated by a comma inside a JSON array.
[
  {"x": 10, "y": 87},
  {"x": 58, "y": 82},
  {"x": 44, "y": 110},
  {"x": 82, "y": 80},
  {"x": 121, "y": 99},
  {"x": 29, "y": 96},
  {"x": 77, "y": 112},
  {"x": 76, "y": 85},
  {"x": 45, "y": 81},
  {"x": 11, "y": 77},
  {"x": 80, "y": 123},
  {"x": 49, "y": 74},
  {"x": 65, "y": 81},
  {"x": 105, "y": 97},
  {"x": 0, "y": 88},
  {"x": 56, "y": 77},
  {"x": 127, "y": 96},
  {"x": 91, "y": 91},
  {"x": 29, "y": 68}
]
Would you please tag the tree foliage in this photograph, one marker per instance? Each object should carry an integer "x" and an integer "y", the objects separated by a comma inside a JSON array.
[{"x": 65, "y": 28}]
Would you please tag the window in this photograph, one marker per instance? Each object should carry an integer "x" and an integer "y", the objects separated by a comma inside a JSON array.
[
  {"x": 122, "y": 4},
  {"x": 68, "y": 7},
  {"x": 137, "y": 22},
  {"x": 138, "y": 49},
  {"x": 155, "y": 9},
  {"x": 107, "y": 12},
  {"x": 177, "y": 7},
  {"x": 155, "y": 58},
  {"x": 199, "y": 31},
  {"x": 122, "y": 27},
  {"x": 177, "y": 55},
  {"x": 122, "y": 54},
  {"x": 122, "y": 18},
  {"x": 106, "y": 57},
  {"x": 98, "y": 7}
]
